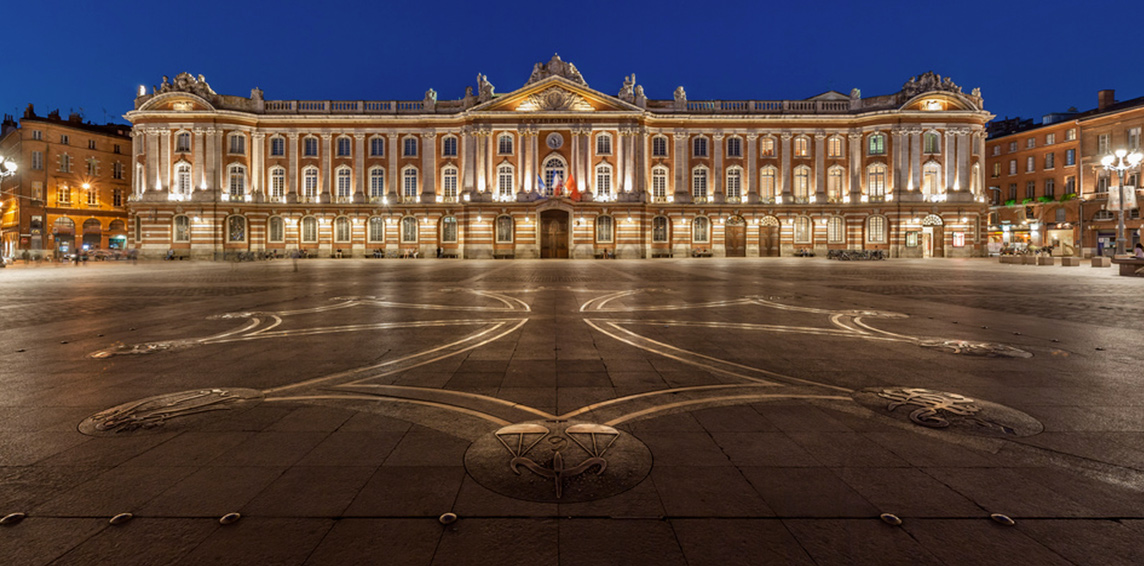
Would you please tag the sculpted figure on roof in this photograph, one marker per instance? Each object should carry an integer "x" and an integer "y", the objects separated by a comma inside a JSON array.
[{"x": 556, "y": 67}]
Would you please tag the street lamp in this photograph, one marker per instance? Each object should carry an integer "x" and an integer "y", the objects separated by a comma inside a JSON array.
[
  {"x": 8, "y": 168},
  {"x": 1116, "y": 162}
]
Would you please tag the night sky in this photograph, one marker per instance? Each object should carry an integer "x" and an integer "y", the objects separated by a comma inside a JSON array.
[{"x": 1028, "y": 57}]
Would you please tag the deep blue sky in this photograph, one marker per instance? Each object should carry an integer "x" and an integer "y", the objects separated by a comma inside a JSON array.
[{"x": 1028, "y": 57}]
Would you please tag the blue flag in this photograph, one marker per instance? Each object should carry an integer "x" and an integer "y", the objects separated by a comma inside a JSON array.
[{"x": 540, "y": 184}]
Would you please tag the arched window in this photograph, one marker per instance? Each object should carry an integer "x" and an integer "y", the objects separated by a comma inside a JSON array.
[
  {"x": 377, "y": 146},
  {"x": 277, "y": 183},
  {"x": 409, "y": 183},
  {"x": 183, "y": 179},
  {"x": 699, "y": 146},
  {"x": 409, "y": 230},
  {"x": 504, "y": 229},
  {"x": 276, "y": 230},
  {"x": 182, "y": 231},
  {"x": 449, "y": 146},
  {"x": 343, "y": 146},
  {"x": 834, "y": 146},
  {"x": 376, "y": 230},
  {"x": 376, "y": 183},
  {"x": 504, "y": 181},
  {"x": 659, "y": 146},
  {"x": 876, "y": 182},
  {"x": 659, "y": 183},
  {"x": 237, "y": 175},
  {"x": 767, "y": 147},
  {"x": 734, "y": 184},
  {"x": 344, "y": 186},
  {"x": 834, "y": 184},
  {"x": 342, "y": 229},
  {"x": 931, "y": 178},
  {"x": 449, "y": 230},
  {"x": 801, "y": 146},
  {"x": 310, "y": 183},
  {"x": 931, "y": 143},
  {"x": 504, "y": 144},
  {"x": 801, "y": 188},
  {"x": 659, "y": 229},
  {"x": 767, "y": 179},
  {"x": 604, "y": 225},
  {"x": 449, "y": 183},
  {"x": 236, "y": 229},
  {"x": 309, "y": 230},
  {"x": 734, "y": 146},
  {"x": 277, "y": 146},
  {"x": 183, "y": 142},
  {"x": 803, "y": 230},
  {"x": 553, "y": 170},
  {"x": 603, "y": 144},
  {"x": 701, "y": 230},
  {"x": 604, "y": 181},
  {"x": 836, "y": 230},
  {"x": 309, "y": 146},
  {"x": 876, "y": 230},
  {"x": 699, "y": 183},
  {"x": 409, "y": 146},
  {"x": 876, "y": 144}
]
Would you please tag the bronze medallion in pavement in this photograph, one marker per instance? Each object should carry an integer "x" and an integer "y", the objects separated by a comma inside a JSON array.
[
  {"x": 945, "y": 410},
  {"x": 161, "y": 412}
]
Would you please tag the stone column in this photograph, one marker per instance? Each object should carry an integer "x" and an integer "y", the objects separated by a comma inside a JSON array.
[
  {"x": 585, "y": 173},
  {"x": 786, "y": 194},
  {"x": 947, "y": 151},
  {"x": 590, "y": 162},
  {"x": 717, "y": 195},
  {"x": 392, "y": 191},
  {"x": 574, "y": 161},
  {"x": 682, "y": 189},
  {"x": 165, "y": 160},
  {"x": 292, "y": 188},
  {"x": 490, "y": 159},
  {"x": 258, "y": 166},
  {"x": 219, "y": 173},
  {"x": 326, "y": 195},
  {"x": 197, "y": 150},
  {"x": 151, "y": 164},
  {"x": 915, "y": 159},
  {"x": 524, "y": 162},
  {"x": 962, "y": 183},
  {"x": 855, "y": 140},
  {"x": 359, "y": 168},
  {"x": 751, "y": 191},
  {"x": 899, "y": 172},
  {"x": 429, "y": 167},
  {"x": 629, "y": 136},
  {"x": 468, "y": 161},
  {"x": 643, "y": 162},
  {"x": 819, "y": 191}
]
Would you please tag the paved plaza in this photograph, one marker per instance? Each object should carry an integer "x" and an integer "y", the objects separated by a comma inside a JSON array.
[{"x": 701, "y": 411}]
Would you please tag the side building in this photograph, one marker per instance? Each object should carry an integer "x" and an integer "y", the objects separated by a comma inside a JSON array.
[
  {"x": 558, "y": 169},
  {"x": 71, "y": 186}
]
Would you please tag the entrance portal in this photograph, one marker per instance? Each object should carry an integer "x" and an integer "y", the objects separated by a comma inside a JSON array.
[
  {"x": 554, "y": 234},
  {"x": 769, "y": 234},
  {"x": 735, "y": 237}
]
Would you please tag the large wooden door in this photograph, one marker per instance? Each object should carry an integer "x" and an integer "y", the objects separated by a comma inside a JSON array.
[
  {"x": 769, "y": 234},
  {"x": 735, "y": 237},
  {"x": 554, "y": 234}
]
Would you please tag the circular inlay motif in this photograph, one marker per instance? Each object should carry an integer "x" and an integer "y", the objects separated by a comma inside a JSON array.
[
  {"x": 155, "y": 414},
  {"x": 554, "y": 140},
  {"x": 971, "y": 348},
  {"x": 945, "y": 410},
  {"x": 557, "y": 461}
]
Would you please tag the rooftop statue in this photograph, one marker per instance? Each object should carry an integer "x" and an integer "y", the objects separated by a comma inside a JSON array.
[
  {"x": 929, "y": 81},
  {"x": 185, "y": 82},
  {"x": 555, "y": 67}
]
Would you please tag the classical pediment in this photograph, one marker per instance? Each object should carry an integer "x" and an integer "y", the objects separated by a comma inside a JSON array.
[
  {"x": 555, "y": 98},
  {"x": 556, "y": 94}
]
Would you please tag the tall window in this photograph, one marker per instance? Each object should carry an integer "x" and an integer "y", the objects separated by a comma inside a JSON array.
[
  {"x": 376, "y": 183},
  {"x": 1070, "y": 157},
  {"x": 63, "y": 194},
  {"x": 659, "y": 146},
  {"x": 801, "y": 187},
  {"x": 1050, "y": 187},
  {"x": 277, "y": 183},
  {"x": 1070, "y": 134},
  {"x": 504, "y": 229},
  {"x": 834, "y": 146},
  {"x": 801, "y": 147},
  {"x": 1070, "y": 185},
  {"x": 1050, "y": 160},
  {"x": 767, "y": 184},
  {"x": 931, "y": 175},
  {"x": 1012, "y": 166},
  {"x": 767, "y": 147},
  {"x": 377, "y": 147},
  {"x": 409, "y": 147},
  {"x": 1102, "y": 144},
  {"x": 604, "y": 229},
  {"x": 449, "y": 230},
  {"x": 876, "y": 230},
  {"x": 91, "y": 166},
  {"x": 237, "y": 180},
  {"x": 659, "y": 227},
  {"x": 449, "y": 146},
  {"x": 699, "y": 147},
  {"x": 1133, "y": 138},
  {"x": 876, "y": 182},
  {"x": 182, "y": 142},
  {"x": 1030, "y": 189},
  {"x": 310, "y": 147},
  {"x": 344, "y": 189},
  {"x": 92, "y": 197},
  {"x": 931, "y": 143},
  {"x": 877, "y": 144},
  {"x": 376, "y": 230},
  {"x": 117, "y": 170},
  {"x": 37, "y": 160},
  {"x": 802, "y": 230},
  {"x": 701, "y": 230},
  {"x": 238, "y": 144},
  {"x": 276, "y": 230},
  {"x": 603, "y": 144},
  {"x": 699, "y": 183},
  {"x": 116, "y": 196},
  {"x": 734, "y": 184},
  {"x": 277, "y": 146},
  {"x": 1031, "y": 143},
  {"x": 504, "y": 144},
  {"x": 835, "y": 230},
  {"x": 409, "y": 230},
  {"x": 409, "y": 182},
  {"x": 1030, "y": 164},
  {"x": 504, "y": 181},
  {"x": 659, "y": 183},
  {"x": 310, "y": 183},
  {"x": 236, "y": 229},
  {"x": 449, "y": 183},
  {"x": 309, "y": 230},
  {"x": 734, "y": 147},
  {"x": 65, "y": 163},
  {"x": 182, "y": 229},
  {"x": 604, "y": 181},
  {"x": 834, "y": 185},
  {"x": 343, "y": 147},
  {"x": 183, "y": 179},
  {"x": 553, "y": 170},
  {"x": 341, "y": 229}
]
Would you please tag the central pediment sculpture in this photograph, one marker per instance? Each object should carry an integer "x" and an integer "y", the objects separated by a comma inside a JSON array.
[{"x": 555, "y": 98}]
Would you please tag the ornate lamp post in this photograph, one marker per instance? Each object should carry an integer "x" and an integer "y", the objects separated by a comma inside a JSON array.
[
  {"x": 7, "y": 167},
  {"x": 1120, "y": 162}
]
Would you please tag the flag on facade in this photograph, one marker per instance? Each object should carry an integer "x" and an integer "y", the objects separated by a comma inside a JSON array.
[
  {"x": 570, "y": 186},
  {"x": 540, "y": 184},
  {"x": 557, "y": 184}
]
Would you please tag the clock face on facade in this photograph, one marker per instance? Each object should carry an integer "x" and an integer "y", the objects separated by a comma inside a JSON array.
[{"x": 554, "y": 140}]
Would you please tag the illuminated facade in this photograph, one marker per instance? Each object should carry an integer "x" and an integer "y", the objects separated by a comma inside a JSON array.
[{"x": 557, "y": 169}]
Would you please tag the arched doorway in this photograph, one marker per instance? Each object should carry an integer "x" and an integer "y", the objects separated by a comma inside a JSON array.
[
  {"x": 92, "y": 234},
  {"x": 769, "y": 237},
  {"x": 63, "y": 231},
  {"x": 554, "y": 234},
  {"x": 735, "y": 237},
  {"x": 933, "y": 237},
  {"x": 117, "y": 239}
]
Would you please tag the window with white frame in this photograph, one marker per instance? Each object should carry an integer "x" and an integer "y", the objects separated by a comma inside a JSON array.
[
  {"x": 504, "y": 144},
  {"x": 92, "y": 197},
  {"x": 237, "y": 180},
  {"x": 659, "y": 183},
  {"x": 277, "y": 146},
  {"x": 1050, "y": 139},
  {"x": 504, "y": 229},
  {"x": 275, "y": 230},
  {"x": 1070, "y": 134},
  {"x": 1012, "y": 146},
  {"x": 801, "y": 146},
  {"x": 1070, "y": 157},
  {"x": 699, "y": 147},
  {"x": 65, "y": 139},
  {"x": 734, "y": 184},
  {"x": 375, "y": 232},
  {"x": 835, "y": 230},
  {"x": 183, "y": 179},
  {"x": 767, "y": 185},
  {"x": 604, "y": 227},
  {"x": 343, "y": 147},
  {"x": 449, "y": 146},
  {"x": 1012, "y": 166},
  {"x": 37, "y": 160},
  {"x": 309, "y": 230},
  {"x": 91, "y": 144},
  {"x": 701, "y": 230},
  {"x": 604, "y": 181},
  {"x": 931, "y": 143},
  {"x": 182, "y": 229},
  {"x": 409, "y": 146},
  {"x": 834, "y": 185},
  {"x": 1133, "y": 138},
  {"x": 238, "y": 144},
  {"x": 1050, "y": 160},
  {"x": 876, "y": 230},
  {"x": 876, "y": 182},
  {"x": 377, "y": 146},
  {"x": 931, "y": 175},
  {"x": 1030, "y": 143},
  {"x": 801, "y": 188},
  {"x": 659, "y": 229},
  {"x": 1103, "y": 142},
  {"x": 65, "y": 163},
  {"x": 376, "y": 182},
  {"x": 344, "y": 185},
  {"x": 409, "y": 182},
  {"x": 310, "y": 183},
  {"x": 699, "y": 182},
  {"x": 449, "y": 230},
  {"x": 1030, "y": 164},
  {"x": 1050, "y": 187},
  {"x": 310, "y": 147},
  {"x": 734, "y": 146},
  {"x": 236, "y": 229},
  {"x": 803, "y": 227},
  {"x": 505, "y": 174},
  {"x": 659, "y": 146},
  {"x": 996, "y": 150},
  {"x": 767, "y": 147},
  {"x": 876, "y": 144},
  {"x": 603, "y": 144},
  {"x": 277, "y": 183},
  {"x": 342, "y": 230},
  {"x": 1070, "y": 185},
  {"x": 117, "y": 170},
  {"x": 92, "y": 166},
  {"x": 553, "y": 174},
  {"x": 834, "y": 146},
  {"x": 449, "y": 183},
  {"x": 63, "y": 194},
  {"x": 183, "y": 142},
  {"x": 409, "y": 230},
  {"x": 37, "y": 135}
]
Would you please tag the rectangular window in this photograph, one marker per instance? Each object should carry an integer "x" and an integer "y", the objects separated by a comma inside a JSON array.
[
  {"x": 310, "y": 147},
  {"x": 238, "y": 144},
  {"x": 1070, "y": 134},
  {"x": 1050, "y": 139},
  {"x": 410, "y": 147},
  {"x": 65, "y": 163},
  {"x": 1102, "y": 144},
  {"x": 116, "y": 148},
  {"x": 801, "y": 147},
  {"x": 277, "y": 147},
  {"x": 92, "y": 197},
  {"x": 1030, "y": 164},
  {"x": 449, "y": 147},
  {"x": 64, "y": 139},
  {"x": 1012, "y": 191},
  {"x": 1050, "y": 160},
  {"x": 37, "y": 135},
  {"x": 37, "y": 160},
  {"x": 376, "y": 147},
  {"x": 343, "y": 147},
  {"x": 734, "y": 147},
  {"x": 1030, "y": 143},
  {"x": 1030, "y": 189},
  {"x": 1012, "y": 166},
  {"x": 1070, "y": 185},
  {"x": 91, "y": 144},
  {"x": 1050, "y": 188},
  {"x": 659, "y": 147},
  {"x": 767, "y": 147},
  {"x": 996, "y": 170},
  {"x": 117, "y": 170},
  {"x": 834, "y": 147},
  {"x": 91, "y": 170},
  {"x": 1133, "y": 138},
  {"x": 1070, "y": 157},
  {"x": 37, "y": 190},
  {"x": 117, "y": 197},
  {"x": 1012, "y": 146},
  {"x": 995, "y": 196},
  {"x": 996, "y": 150}
]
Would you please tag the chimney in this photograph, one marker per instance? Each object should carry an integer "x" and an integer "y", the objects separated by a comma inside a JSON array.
[{"x": 1105, "y": 98}]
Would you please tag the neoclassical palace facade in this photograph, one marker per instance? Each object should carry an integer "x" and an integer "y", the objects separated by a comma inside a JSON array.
[{"x": 558, "y": 169}]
